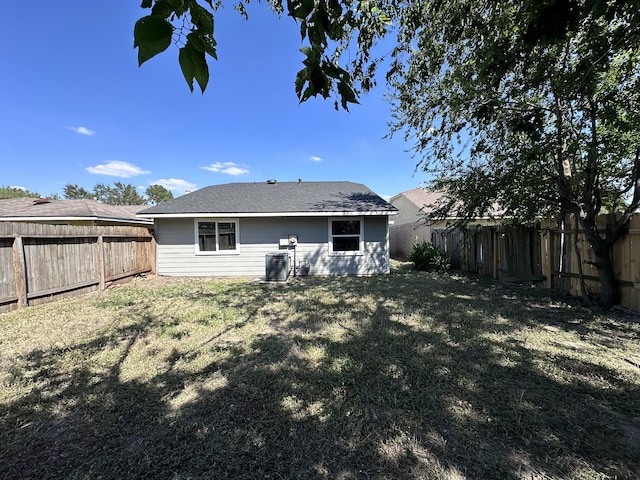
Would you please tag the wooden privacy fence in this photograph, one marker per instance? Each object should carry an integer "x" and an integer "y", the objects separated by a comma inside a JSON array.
[
  {"x": 505, "y": 252},
  {"x": 545, "y": 254},
  {"x": 39, "y": 263}
]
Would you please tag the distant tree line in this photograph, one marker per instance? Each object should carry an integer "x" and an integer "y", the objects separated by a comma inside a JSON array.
[
  {"x": 116, "y": 194},
  {"x": 14, "y": 192}
]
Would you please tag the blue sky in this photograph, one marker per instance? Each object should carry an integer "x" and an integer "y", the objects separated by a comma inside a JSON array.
[{"x": 76, "y": 108}]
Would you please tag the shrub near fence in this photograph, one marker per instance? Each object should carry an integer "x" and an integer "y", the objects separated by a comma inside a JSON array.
[
  {"x": 545, "y": 254},
  {"x": 39, "y": 263}
]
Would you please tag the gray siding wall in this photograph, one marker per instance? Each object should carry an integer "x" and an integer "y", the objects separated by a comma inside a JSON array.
[
  {"x": 402, "y": 238},
  {"x": 408, "y": 227},
  {"x": 258, "y": 236},
  {"x": 408, "y": 212}
]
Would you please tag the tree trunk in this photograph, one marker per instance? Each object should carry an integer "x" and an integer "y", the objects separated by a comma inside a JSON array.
[
  {"x": 602, "y": 247},
  {"x": 609, "y": 288},
  {"x": 584, "y": 290}
]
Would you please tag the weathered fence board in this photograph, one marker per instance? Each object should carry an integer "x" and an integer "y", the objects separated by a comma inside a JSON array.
[
  {"x": 7, "y": 273},
  {"x": 450, "y": 241},
  {"x": 42, "y": 262}
]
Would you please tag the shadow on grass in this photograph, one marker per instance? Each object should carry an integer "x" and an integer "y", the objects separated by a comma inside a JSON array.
[{"x": 401, "y": 376}]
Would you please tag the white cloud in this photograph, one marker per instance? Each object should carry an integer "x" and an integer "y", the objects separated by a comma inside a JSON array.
[
  {"x": 229, "y": 168},
  {"x": 18, "y": 187},
  {"x": 315, "y": 159},
  {"x": 116, "y": 168},
  {"x": 176, "y": 184},
  {"x": 82, "y": 130},
  {"x": 386, "y": 197}
]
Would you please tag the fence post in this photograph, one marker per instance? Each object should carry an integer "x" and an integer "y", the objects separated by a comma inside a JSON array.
[
  {"x": 465, "y": 253},
  {"x": 100, "y": 260},
  {"x": 151, "y": 254},
  {"x": 496, "y": 253},
  {"x": 20, "y": 271},
  {"x": 551, "y": 247}
]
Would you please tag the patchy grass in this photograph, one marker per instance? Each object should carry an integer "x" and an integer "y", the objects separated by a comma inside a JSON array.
[{"x": 410, "y": 375}]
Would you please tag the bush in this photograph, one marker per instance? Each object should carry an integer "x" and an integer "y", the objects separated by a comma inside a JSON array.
[{"x": 427, "y": 257}]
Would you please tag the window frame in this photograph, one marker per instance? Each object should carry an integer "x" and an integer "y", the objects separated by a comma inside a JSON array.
[
  {"x": 360, "y": 236},
  {"x": 216, "y": 221}
]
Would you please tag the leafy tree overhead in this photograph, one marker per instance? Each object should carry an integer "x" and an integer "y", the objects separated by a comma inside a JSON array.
[
  {"x": 158, "y": 194},
  {"x": 189, "y": 24},
  {"x": 13, "y": 192}
]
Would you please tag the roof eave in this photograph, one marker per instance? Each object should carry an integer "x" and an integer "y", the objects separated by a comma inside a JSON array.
[
  {"x": 141, "y": 221},
  {"x": 268, "y": 214}
]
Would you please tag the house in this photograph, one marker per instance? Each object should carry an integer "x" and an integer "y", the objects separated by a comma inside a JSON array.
[
  {"x": 410, "y": 225},
  {"x": 323, "y": 228},
  {"x": 70, "y": 212}
]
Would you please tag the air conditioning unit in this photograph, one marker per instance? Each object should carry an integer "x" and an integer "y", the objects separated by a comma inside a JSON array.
[{"x": 277, "y": 267}]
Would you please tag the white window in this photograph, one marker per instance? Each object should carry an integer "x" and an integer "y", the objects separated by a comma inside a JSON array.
[
  {"x": 345, "y": 235},
  {"x": 216, "y": 236}
]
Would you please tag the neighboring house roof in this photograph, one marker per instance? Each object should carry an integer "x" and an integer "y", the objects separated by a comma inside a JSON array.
[
  {"x": 420, "y": 197},
  {"x": 425, "y": 199},
  {"x": 35, "y": 209},
  {"x": 275, "y": 198}
]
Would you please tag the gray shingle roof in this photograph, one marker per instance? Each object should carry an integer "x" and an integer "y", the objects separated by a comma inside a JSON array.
[
  {"x": 82, "y": 209},
  {"x": 279, "y": 197},
  {"x": 427, "y": 200}
]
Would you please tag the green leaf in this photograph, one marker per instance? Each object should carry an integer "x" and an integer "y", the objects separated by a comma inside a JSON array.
[
  {"x": 146, "y": 4},
  {"x": 193, "y": 65},
  {"x": 202, "y": 18},
  {"x": 334, "y": 71},
  {"x": 202, "y": 43},
  {"x": 151, "y": 35},
  {"x": 202, "y": 70},
  {"x": 196, "y": 41},
  {"x": 162, "y": 8},
  {"x": 301, "y": 78},
  {"x": 308, "y": 93},
  {"x": 300, "y": 9},
  {"x": 347, "y": 95},
  {"x": 303, "y": 30},
  {"x": 179, "y": 7},
  {"x": 187, "y": 67},
  {"x": 319, "y": 82}
]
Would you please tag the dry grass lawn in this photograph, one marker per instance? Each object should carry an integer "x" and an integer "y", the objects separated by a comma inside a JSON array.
[{"x": 410, "y": 375}]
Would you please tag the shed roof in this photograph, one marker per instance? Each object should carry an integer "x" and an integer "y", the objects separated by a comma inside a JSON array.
[
  {"x": 81, "y": 209},
  {"x": 275, "y": 198}
]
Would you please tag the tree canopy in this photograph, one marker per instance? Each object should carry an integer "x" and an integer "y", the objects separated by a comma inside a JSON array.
[
  {"x": 529, "y": 106},
  {"x": 158, "y": 194},
  {"x": 15, "y": 192},
  {"x": 119, "y": 194},
  {"x": 75, "y": 192}
]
